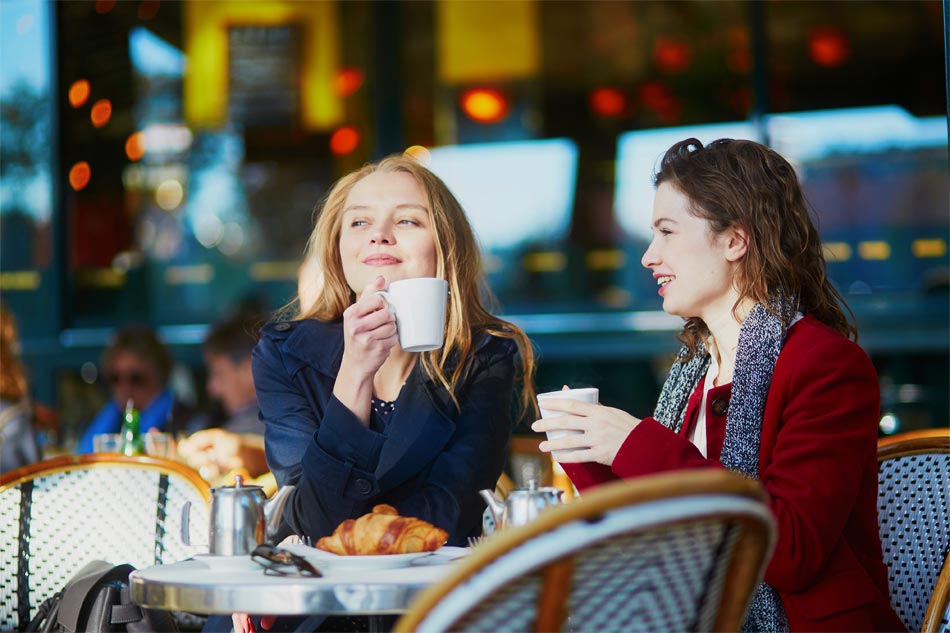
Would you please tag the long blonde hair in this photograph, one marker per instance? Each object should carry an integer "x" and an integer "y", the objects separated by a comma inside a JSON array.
[{"x": 458, "y": 262}]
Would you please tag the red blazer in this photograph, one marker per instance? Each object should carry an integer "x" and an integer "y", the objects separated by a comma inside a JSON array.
[{"x": 818, "y": 463}]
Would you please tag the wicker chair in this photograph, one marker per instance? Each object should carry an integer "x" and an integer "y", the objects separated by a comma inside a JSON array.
[
  {"x": 57, "y": 515},
  {"x": 913, "y": 511},
  {"x": 672, "y": 552}
]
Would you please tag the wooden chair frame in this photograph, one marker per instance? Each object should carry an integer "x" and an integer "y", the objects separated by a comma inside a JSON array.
[
  {"x": 918, "y": 443},
  {"x": 747, "y": 567},
  {"x": 65, "y": 463}
]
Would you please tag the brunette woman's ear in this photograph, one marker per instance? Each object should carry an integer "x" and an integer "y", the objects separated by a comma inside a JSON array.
[{"x": 737, "y": 244}]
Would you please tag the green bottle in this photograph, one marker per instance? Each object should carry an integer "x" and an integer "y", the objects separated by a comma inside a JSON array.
[{"x": 131, "y": 436}]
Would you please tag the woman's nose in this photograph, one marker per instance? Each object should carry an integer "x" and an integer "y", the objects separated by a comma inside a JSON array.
[
  {"x": 650, "y": 257},
  {"x": 382, "y": 234}
]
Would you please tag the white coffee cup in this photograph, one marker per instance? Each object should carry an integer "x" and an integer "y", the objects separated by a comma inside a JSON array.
[
  {"x": 584, "y": 394},
  {"x": 419, "y": 307}
]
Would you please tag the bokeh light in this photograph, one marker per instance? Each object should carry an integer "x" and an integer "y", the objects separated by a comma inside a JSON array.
[
  {"x": 104, "y": 6},
  {"x": 672, "y": 54},
  {"x": 148, "y": 9},
  {"x": 828, "y": 46},
  {"x": 78, "y": 93},
  {"x": 348, "y": 81},
  {"x": 485, "y": 105},
  {"x": 419, "y": 154},
  {"x": 344, "y": 140},
  {"x": 607, "y": 102},
  {"x": 101, "y": 112},
  {"x": 135, "y": 146},
  {"x": 79, "y": 175},
  {"x": 169, "y": 194}
]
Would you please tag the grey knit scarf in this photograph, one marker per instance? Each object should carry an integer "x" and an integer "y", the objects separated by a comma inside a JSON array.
[{"x": 760, "y": 340}]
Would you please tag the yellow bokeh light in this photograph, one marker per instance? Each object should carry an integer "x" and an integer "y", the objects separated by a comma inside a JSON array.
[
  {"x": 169, "y": 194},
  {"x": 419, "y": 154},
  {"x": 485, "y": 105}
]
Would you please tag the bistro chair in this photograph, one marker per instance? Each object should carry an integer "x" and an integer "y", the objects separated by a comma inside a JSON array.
[
  {"x": 670, "y": 552},
  {"x": 913, "y": 513},
  {"x": 59, "y": 514}
]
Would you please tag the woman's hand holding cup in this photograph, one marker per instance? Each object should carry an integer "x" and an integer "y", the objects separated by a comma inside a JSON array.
[
  {"x": 369, "y": 332},
  {"x": 579, "y": 429}
]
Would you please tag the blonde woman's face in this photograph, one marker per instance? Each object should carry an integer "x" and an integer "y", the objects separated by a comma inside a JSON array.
[{"x": 386, "y": 230}]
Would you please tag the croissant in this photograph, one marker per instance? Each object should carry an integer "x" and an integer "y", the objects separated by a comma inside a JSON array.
[{"x": 381, "y": 532}]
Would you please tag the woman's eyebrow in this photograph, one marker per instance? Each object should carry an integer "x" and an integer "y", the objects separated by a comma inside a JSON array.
[
  {"x": 659, "y": 221},
  {"x": 404, "y": 205}
]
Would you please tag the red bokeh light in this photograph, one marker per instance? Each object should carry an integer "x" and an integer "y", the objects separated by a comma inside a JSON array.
[
  {"x": 344, "y": 140},
  {"x": 79, "y": 175},
  {"x": 828, "y": 46},
  {"x": 101, "y": 112},
  {"x": 607, "y": 102},
  {"x": 671, "y": 54},
  {"x": 135, "y": 146},
  {"x": 348, "y": 81},
  {"x": 78, "y": 92}
]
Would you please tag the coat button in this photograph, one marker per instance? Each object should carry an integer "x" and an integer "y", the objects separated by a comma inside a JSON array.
[
  {"x": 282, "y": 327},
  {"x": 362, "y": 486},
  {"x": 720, "y": 406}
]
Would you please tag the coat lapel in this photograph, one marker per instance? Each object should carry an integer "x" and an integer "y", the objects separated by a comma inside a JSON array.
[{"x": 418, "y": 431}]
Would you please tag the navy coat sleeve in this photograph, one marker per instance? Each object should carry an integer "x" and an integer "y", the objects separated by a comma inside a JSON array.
[{"x": 430, "y": 463}]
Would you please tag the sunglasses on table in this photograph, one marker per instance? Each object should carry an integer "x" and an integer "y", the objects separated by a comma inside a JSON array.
[{"x": 278, "y": 562}]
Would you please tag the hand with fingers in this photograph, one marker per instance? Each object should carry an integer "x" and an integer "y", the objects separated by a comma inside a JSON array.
[
  {"x": 603, "y": 431},
  {"x": 369, "y": 334},
  {"x": 242, "y": 623},
  {"x": 369, "y": 331}
]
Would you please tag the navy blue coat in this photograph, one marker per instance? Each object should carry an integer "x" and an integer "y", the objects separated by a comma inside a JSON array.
[{"x": 429, "y": 463}]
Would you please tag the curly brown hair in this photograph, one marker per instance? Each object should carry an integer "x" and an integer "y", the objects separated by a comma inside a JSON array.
[{"x": 739, "y": 183}]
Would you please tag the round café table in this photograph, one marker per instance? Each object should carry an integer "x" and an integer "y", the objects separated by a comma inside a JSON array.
[{"x": 223, "y": 585}]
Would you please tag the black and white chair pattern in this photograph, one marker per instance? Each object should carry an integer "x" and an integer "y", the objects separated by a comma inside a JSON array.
[
  {"x": 671, "y": 552},
  {"x": 57, "y": 515},
  {"x": 913, "y": 513}
]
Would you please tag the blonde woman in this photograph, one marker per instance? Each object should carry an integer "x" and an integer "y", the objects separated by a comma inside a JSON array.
[{"x": 354, "y": 420}]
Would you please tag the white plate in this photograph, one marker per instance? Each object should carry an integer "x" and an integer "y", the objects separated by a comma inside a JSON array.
[
  {"x": 228, "y": 563},
  {"x": 325, "y": 561}
]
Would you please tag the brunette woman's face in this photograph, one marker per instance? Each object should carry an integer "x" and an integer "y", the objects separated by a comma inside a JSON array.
[
  {"x": 132, "y": 378},
  {"x": 386, "y": 230},
  {"x": 692, "y": 266}
]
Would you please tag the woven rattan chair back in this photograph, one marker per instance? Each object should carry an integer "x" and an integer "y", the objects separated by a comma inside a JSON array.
[
  {"x": 913, "y": 511},
  {"x": 57, "y": 515},
  {"x": 652, "y": 554}
]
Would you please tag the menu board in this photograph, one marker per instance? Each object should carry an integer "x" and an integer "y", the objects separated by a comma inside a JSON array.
[{"x": 264, "y": 75}]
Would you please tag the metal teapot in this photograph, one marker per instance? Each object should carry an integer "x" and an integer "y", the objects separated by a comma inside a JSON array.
[
  {"x": 241, "y": 518},
  {"x": 522, "y": 504}
]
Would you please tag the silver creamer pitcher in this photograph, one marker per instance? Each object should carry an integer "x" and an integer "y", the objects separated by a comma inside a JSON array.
[
  {"x": 241, "y": 518},
  {"x": 522, "y": 504}
]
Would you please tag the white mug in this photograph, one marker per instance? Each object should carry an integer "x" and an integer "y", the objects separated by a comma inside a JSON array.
[
  {"x": 584, "y": 394},
  {"x": 419, "y": 307}
]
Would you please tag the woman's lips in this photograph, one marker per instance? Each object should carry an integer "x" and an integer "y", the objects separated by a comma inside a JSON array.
[{"x": 381, "y": 260}]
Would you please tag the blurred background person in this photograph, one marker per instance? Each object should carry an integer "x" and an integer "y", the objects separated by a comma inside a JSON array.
[
  {"x": 237, "y": 442},
  {"x": 137, "y": 366},
  {"x": 18, "y": 445},
  {"x": 227, "y": 354}
]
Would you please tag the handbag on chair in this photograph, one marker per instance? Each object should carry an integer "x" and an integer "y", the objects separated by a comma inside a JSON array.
[{"x": 97, "y": 599}]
